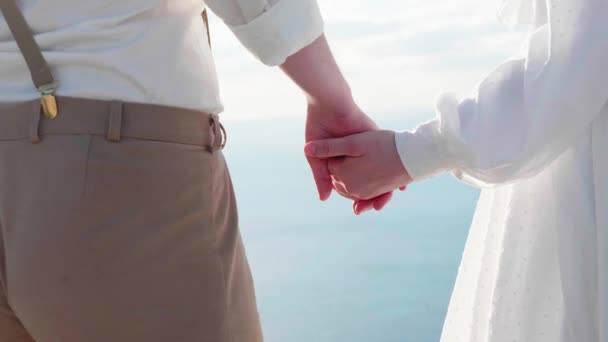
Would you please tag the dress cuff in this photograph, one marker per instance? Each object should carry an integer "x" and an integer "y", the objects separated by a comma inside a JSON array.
[
  {"x": 281, "y": 30},
  {"x": 423, "y": 152}
]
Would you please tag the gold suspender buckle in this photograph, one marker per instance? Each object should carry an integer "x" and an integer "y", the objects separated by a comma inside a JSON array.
[{"x": 48, "y": 100}]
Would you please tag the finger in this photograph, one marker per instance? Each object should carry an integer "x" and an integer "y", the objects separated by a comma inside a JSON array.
[
  {"x": 330, "y": 148},
  {"x": 381, "y": 201},
  {"x": 377, "y": 203},
  {"x": 322, "y": 178},
  {"x": 361, "y": 206},
  {"x": 341, "y": 189}
]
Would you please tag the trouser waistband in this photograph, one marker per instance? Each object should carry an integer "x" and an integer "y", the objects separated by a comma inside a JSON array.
[{"x": 114, "y": 119}]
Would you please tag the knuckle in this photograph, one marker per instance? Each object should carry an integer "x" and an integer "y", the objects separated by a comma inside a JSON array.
[
  {"x": 358, "y": 195},
  {"x": 351, "y": 146},
  {"x": 363, "y": 194},
  {"x": 323, "y": 148}
]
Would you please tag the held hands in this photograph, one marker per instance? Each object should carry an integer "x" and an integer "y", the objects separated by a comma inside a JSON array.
[
  {"x": 362, "y": 166},
  {"x": 332, "y": 112},
  {"x": 326, "y": 121}
]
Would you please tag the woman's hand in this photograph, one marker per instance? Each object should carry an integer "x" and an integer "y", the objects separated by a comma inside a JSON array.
[
  {"x": 325, "y": 123},
  {"x": 362, "y": 166}
]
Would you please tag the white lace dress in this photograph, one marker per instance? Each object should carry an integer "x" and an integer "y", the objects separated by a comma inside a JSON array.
[{"x": 534, "y": 135}]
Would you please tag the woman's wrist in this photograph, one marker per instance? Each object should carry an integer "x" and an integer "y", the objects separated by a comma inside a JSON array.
[
  {"x": 423, "y": 152},
  {"x": 401, "y": 176}
]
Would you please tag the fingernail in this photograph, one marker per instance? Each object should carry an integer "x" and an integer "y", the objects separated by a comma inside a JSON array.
[{"x": 309, "y": 149}]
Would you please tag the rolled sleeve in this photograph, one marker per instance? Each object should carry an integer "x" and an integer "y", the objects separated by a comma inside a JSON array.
[{"x": 282, "y": 30}]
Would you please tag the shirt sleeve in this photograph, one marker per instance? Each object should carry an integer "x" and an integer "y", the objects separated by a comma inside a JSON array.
[
  {"x": 525, "y": 113},
  {"x": 271, "y": 29}
]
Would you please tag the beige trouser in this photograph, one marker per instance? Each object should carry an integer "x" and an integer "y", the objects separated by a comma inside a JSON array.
[{"x": 118, "y": 223}]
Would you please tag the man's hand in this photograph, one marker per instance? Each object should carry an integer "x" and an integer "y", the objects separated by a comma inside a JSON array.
[
  {"x": 331, "y": 110},
  {"x": 325, "y": 123},
  {"x": 363, "y": 166}
]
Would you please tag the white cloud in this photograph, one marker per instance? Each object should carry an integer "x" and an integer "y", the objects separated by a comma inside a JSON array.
[{"x": 397, "y": 56}]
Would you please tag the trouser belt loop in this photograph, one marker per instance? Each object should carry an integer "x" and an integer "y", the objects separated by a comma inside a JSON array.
[
  {"x": 218, "y": 133},
  {"x": 34, "y": 123},
  {"x": 115, "y": 121}
]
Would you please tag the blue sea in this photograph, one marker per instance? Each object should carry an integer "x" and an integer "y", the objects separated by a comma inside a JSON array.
[{"x": 323, "y": 274}]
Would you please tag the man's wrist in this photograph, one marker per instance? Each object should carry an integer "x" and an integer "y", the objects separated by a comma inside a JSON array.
[
  {"x": 315, "y": 71},
  {"x": 339, "y": 101}
]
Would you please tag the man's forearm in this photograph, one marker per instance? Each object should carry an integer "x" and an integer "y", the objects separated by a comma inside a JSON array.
[
  {"x": 331, "y": 109},
  {"x": 315, "y": 71}
]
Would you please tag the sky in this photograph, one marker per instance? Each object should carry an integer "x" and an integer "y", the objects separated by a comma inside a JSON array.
[{"x": 398, "y": 56}]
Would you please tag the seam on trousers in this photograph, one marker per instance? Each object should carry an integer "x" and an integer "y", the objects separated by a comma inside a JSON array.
[
  {"x": 85, "y": 181},
  {"x": 3, "y": 280},
  {"x": 226, "y": 321}
]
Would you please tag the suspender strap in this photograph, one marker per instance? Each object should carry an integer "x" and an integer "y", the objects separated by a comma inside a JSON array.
[
  {"x": 41, "y": 74},
  {"x": 206, "y": 20},
  {"x": 39, "y": 69}
]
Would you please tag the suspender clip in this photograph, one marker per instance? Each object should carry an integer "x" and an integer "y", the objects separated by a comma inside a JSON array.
[{"x": 48, "y": 100}]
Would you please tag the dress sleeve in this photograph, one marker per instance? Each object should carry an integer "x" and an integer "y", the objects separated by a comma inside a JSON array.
[
  {"x": 527, "y": 111},
  {"x": 271, "y": 29}
]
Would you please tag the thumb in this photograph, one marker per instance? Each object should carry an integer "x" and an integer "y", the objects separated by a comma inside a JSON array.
[{"x": 329, "y": 148}]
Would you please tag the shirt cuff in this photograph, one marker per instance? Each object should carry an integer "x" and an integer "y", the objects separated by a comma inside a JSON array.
[
  {"x": 282, "y": 30},
  {"x": 423, "y": 152}
]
